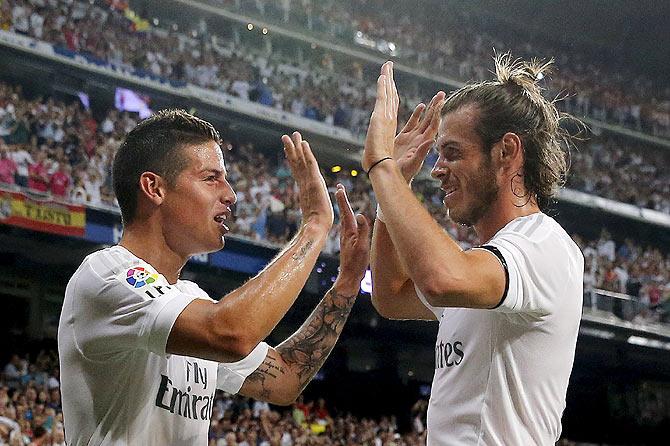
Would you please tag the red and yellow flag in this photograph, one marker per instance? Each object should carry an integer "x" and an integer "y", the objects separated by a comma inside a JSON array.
[{"x": 42, "y": 214}]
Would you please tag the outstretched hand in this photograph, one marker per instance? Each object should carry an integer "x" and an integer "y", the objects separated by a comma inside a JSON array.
[
  {"x": 314, "y": 200},
  {"x": 354, "y": 242},
  {"x": 412, "y": 144},
  {"x": 384, "y": 120}
]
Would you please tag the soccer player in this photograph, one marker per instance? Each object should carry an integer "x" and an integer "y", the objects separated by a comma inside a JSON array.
[
  {"x": 509, "y": 309},
  {"x": 143, "y": 352}
]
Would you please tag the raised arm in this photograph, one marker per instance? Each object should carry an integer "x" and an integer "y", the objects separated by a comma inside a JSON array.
[
  {"x": 228, "y": 330},
  {"x": 445, "y": 274},
  {"x": 290, "y": 366},
  {"x": 393, "y": 294}
]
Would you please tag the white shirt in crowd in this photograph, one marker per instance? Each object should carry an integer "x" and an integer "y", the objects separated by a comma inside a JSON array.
[
  {"x": 20, "y": 19},
  {"x": 118, "y": 384},
  {"x": 22, "y": 159},
  {"x": 501, "y": 376}
]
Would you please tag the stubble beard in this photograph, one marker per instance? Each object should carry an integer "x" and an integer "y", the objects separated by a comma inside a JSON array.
[{"x": 484, "y": 191}]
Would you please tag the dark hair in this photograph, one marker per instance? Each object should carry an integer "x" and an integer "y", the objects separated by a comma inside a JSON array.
[
  {"x": 39, "y": 432},
  {"x": 514, "y": 103},
  {"x": 154, "y": 145}
]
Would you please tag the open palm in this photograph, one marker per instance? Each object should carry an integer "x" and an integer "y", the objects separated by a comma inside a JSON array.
[{"x": 414, "y": 141}]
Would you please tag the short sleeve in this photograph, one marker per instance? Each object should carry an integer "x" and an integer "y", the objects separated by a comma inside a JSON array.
[
  {"x": 124, "y": 309},
  {"x": 525, "y": 265},
  {"x": 437, "y": 311},
  {"x": 231, "y": 375}
]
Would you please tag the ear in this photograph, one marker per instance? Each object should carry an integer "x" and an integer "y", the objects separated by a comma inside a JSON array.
[
  {"x": 510, "y": 152},
  {"x": 152, "y": 187}
]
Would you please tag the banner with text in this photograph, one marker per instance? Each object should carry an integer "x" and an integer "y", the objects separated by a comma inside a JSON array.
[{"x": 41, "y": 214}]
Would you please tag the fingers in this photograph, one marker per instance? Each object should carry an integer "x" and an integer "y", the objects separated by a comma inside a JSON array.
[
  {"x": 396, "y": 98},
  {"x": 307, "y": 154},
  {"x": 391, "y": 92},
  {"x": 296, "y": 137},
  {"x": 435, "y": 119},
  {"x": 414, "y": 119},
  {"x": 431, "y": 111},
  {"x": 363, "y": 229},
  {"x": 346, "y": 213},
  {"x": 423, "y": 149},
  {"x": 289, "y": 148},
  {"x": 297, "y": 150}
]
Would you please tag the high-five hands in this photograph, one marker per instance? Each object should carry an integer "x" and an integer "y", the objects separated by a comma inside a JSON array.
[{"x": 410, "y": 147}]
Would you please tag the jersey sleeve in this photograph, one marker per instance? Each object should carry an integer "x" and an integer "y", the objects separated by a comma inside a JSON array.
[
  {"x": 526, "y": 274},
  {"x": 437, "y": 311},
  {"x": 231, "y": 375},
  {"x": 118, "y": 310}
]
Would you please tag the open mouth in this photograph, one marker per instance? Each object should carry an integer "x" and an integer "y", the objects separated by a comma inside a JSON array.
[
  {"x": 449, "y": 190},
  {"x": 220, "y": 219}
]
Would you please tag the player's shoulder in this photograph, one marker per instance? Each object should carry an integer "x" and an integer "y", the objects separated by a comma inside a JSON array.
[
  {"x": 188, "y": 287},
  {"x": 539, "y": 231},
  {"x": 117, "y": 264},
  {"x": 110, "y": 262},
  {"x": 533, "y": 228}
]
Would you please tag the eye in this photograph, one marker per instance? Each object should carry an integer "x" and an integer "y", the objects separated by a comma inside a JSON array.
[{"x": 450, "y": 153}]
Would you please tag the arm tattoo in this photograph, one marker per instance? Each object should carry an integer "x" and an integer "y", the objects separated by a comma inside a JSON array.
[
  {"x": 307, "y": 349},
  {"x": 298, "y": 256},
  {"x": 271, "y": 369}
]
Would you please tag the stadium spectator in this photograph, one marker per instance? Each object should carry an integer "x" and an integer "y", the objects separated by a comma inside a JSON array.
[
  {"x": 60, "y": 181},
  {"x": 7, "y": 165},
  {"x": 38, "y": 173}
]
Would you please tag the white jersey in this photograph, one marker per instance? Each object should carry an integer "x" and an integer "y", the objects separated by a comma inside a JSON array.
[
  {"x": 119, "y": 387},
  {"x": 501, "y": 376}
]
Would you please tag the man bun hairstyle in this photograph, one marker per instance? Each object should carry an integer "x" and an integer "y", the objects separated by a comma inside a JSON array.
[
  {"x": 154, "y": 145},
  {"x": 514, "y": 102}
]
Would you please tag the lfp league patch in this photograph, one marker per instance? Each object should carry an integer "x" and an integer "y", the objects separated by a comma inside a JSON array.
[{"x": 144, "y": 280}]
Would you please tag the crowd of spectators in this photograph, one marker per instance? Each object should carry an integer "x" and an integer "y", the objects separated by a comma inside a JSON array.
[
  {"x": 104, "y": 33},
  {"x": 59, "y": 149},
  {"x": 457, "y": 42},
  {"x": 31, "y": 414},
  {"x": 627, "y": 268},
  {"x": 63, "y": 149},
  {"x": 333, "y": 92}
]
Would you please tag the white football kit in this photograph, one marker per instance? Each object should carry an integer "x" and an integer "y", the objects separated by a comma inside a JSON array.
[
  {"x": 501, "y": 376},
  {"x": 119, "y": 386}
]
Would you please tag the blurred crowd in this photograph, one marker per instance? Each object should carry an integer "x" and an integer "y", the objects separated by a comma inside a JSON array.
[
  {"x": 319, "y": 87},
  {"x": 627, "y": 268},
  {"x": 461, "y": 47},
  {"x": 104, "y": 33},
  {"x": 31, "y": 414},
  {"x": 61, "y": 150}
]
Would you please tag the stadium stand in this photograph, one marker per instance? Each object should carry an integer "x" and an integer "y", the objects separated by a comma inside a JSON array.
[
  {"x": 593, "y": 88},
  {"x": 60, "y": 149}
]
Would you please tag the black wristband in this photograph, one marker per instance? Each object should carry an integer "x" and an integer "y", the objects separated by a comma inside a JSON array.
[{"x": 377, "y": 162}]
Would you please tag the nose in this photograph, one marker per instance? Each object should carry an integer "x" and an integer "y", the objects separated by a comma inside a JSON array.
[
  {"x": 440, "y": 169},
  {"x": 228, "y": 196}
]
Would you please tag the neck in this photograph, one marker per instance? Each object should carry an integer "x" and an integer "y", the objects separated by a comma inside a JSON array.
[
  {"x": 149, "y": 244},
  {"x": 501, "y": 212}
]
